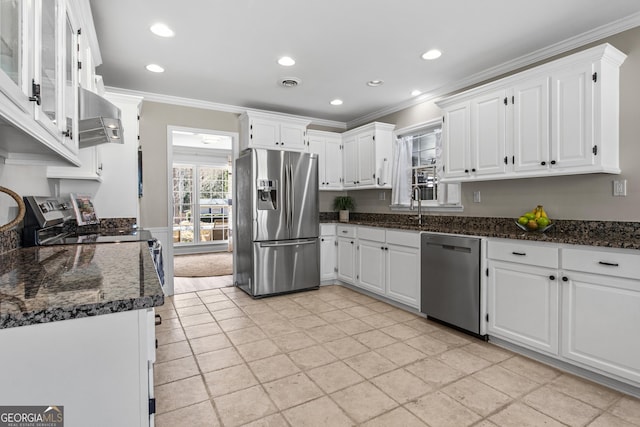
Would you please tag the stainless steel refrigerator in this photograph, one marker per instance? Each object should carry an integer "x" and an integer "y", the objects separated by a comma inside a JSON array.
[{"x": 277, "y": 246}]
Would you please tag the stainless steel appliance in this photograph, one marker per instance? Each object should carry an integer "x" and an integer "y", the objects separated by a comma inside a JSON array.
[
  {"x": 450, "y": 280},
  {"x": 277, "y": 247}
]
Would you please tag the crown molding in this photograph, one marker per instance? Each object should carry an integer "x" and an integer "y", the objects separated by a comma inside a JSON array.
[
  {"x": 206, "y": 105},
  {"x": 580, "y": 40}
]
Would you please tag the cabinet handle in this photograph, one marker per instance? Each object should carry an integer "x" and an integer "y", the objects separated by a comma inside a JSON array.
[
  {"x": 473, "y": 170},
  {"x": 466, "y": 171},
  {"x": 382, "y": 248},
  {"x": 352, "y": 242},
  {"x": 552, "y": 277},
  {"x": 565, "y": 279},
  {"x": 611, "y": 264},
  {"x": 553, "y": 162},
  {"x": 543, "y": 163},
  {"x": 322, "y": 240},
  {"x": 386, "y": 249},
  {"x": 506, "y": 160},
  {"x": 345, "y": 231},
  {"x": 519, "y": 253}
]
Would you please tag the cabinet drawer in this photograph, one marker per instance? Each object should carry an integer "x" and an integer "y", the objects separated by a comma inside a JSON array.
[
  {"x": 369, "y": 233},
  {"x": 327, "y": 229},
  {"x": 346, "y": 231},
  {"x": 403, "y": 238},
  {"x": 523, "y": 253},
  {"x": 611, "y": 263}
]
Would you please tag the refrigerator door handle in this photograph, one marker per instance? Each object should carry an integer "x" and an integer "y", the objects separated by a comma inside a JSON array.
[
  {"x": 287, "y": 243},
  {"x": 291, "y": 197}
]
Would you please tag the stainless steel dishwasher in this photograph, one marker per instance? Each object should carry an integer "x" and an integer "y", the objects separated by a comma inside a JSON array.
[{"x": 450, "y": 280}]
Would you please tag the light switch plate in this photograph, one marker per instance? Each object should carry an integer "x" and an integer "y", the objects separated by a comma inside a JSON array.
[
  {"x": 476, "y": 197},
  {"x": 620, "y": 187}
]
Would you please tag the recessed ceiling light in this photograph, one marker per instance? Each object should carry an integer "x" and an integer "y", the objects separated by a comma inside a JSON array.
[
  {"x": 336, "y": 102},
  {"x": 155, "y": 68},
  {"x": 162, "y": 30},
  {"x": 375, "y": 83},
  {"x": 415, "y": 92},
  {"x": 286, "y": 61},
  {"x": 432, "y": 54}
]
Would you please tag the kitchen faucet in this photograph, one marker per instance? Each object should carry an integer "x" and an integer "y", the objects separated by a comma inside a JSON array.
[{"x": 419, "y": 199}]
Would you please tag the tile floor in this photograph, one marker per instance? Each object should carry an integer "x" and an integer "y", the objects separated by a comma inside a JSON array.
[
  {"x": 334, "y": 357},
  {"x": 182, "y": 285}
]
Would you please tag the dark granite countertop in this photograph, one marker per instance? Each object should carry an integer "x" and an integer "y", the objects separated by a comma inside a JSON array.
[
  {"x": 612, "y": 234},
  {"x": 50, "y": 283}
]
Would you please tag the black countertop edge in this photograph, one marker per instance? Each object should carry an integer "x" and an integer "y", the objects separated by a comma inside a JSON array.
[{"x": 77, "y": 312}]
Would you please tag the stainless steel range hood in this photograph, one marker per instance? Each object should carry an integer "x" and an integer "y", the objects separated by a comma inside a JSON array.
[{"x": 99, "y": 120}]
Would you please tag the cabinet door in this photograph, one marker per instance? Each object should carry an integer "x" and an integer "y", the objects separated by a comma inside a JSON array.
[
  {"x": 571, "y": 117},
  {"x": 292, "y": 137},
  {"x": 346, "y": 259},
  {"x": 522, "y": 304},
  {"x": 531, "y": 125},
  {"x": 455, "y": 147},
  {"x": 350, "y": 162},
  {"x": 264, "y": 133},
  {"x": 328, "y": 257},
  {"x": 15, "y": 80},
  {"x": 69, "y": 85},
  {"x": 366, "y": 159},
  {"x": 371, "y": 266},
  {"x": 403, "y": 274},
  {"x": 488, "y": 133},
  {"x": 317, "y": 145},
  {"x": 333, "y": 163},
  {"x": 601, "y": 323}
]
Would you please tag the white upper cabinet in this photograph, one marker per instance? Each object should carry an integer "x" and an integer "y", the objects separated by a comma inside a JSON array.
[
  {"x": 367, "y": 152},
  {"x": 328, "y": 147},
  {"x": 272, "y": 131},
  {"x": 39, "y": 78},
  {"x": 559, "y": 118}
]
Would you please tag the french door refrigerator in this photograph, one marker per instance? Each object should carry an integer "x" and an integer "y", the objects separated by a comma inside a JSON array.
[{"x": 277, "y": 246}]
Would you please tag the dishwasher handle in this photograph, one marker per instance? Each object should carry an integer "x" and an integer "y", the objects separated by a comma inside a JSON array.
[{"x": 450, "y": 247}]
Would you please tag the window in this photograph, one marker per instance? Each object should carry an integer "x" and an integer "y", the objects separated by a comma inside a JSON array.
[{"x": 423, "y": 164}]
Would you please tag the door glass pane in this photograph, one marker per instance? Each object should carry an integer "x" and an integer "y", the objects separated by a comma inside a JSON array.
[
  {"x": 11, "y": 39},
  {"x": 182, "y": 204},
  {"x": 48, "y": 59},
  {"x": 214, "y": 198},
  {"x": 69, "y": 67}
]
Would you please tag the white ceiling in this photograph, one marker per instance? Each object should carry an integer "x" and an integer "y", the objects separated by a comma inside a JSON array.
[{"x": 226, "y": 51}]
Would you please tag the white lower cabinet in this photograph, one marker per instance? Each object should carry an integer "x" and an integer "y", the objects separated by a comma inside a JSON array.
[
  {"x": 328, "y": 252},
  {"x": 578, "y": 304},
  {"x": 371, "y": 257},
  {"x": 346, "y": 238}
]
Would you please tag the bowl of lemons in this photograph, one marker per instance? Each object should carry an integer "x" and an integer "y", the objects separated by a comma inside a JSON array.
[{"x": 535, "y": 220}]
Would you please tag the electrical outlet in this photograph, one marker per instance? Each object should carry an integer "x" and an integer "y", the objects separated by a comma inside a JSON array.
[
  {"x": 620, "y": 187},
  {"x": 382, "y": 195},
  {"x": 476, "y": 197}
]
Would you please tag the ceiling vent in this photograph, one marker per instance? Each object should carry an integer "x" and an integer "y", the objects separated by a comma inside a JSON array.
[{"x": 290, "y": 82}]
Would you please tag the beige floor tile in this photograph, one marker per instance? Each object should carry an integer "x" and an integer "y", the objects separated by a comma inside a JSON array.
[
  {"x": 187, "y": 302},
  {"x": 168, "y": 313},
  {"x": 212, "y": 299},
  {"x": 378, "y": 320},
  {"x": 335, "y": 316},
  {"x": 258, "y": 350},
  {"x": 363, "y": 401},
  {"x": 257, "y": 309},
  {"x": 609, "y": 420},
  {"x": 170, "y": 336},
  {"x": 202, "y": 330},
  {"x": 275, "y": 420},
  {"x": 627, "y": 408},
  {"x": 485, "y": 423},
  {"x": 359, "y": 311},
  {"x": 229, "y": 380},
  {"x": 311, "y": 357},
  {"x": 318, "y": 413},
  {"x": 519, "y": 415},
  {"x": 402, "y": 386},
  {"x": 463, "y": 361},
  {"x": 370, "y": 364},
  {"x": 335, "y": 376},
  {"x": 452, "y": 337},
  {"x": 586, "y": 391},
  {"x": 563, "y": 408},
  {"x": 439, "y": 410},
  {"x": 343, "y": 303},
  {"x": 218, "y": 359},
  {"x": 197, "y": 319},
  {"x": 209, "y": 343},
  {"x": 220, "y": 305},
  {"x": 531, "y": 369},
  {"x": 265, "y": 317},
  {"x": 477, "y": 396},
  {"x": 380, "y": 307},
  {"x": 434, "y": 372},
  {"x": 397, "y": 417},
  {"x": 362, "y": 299},
  {"x": 325, "y": 333},
  {"x": 345, "y": 347},
  {"x": 488, "y": 351},
  {"x": 273, "y": 368},
  {"x": 428, "y": 345},
  {"x": 228, "y": 313},
  {"x": 178, "y": 394},
  {"x": 192, "y": 311},
  {"x": 505, "y": 381},
  {"x": 236, "y": 323},
  {"x": 319, "y": 307},
  {"x": 423, "y": 325},
  {"x": 167, "y": 324},
  {"x": 299, "y": 387},
  {"x": 400, "y": 315},
  {"x": 375, "y": 339},
  {"x": 244, "y": 406},
  {"x": 294, "y": 313},
  {"x": 278, "y": 328},
  {"x": 198, "y": 415},
  {"x": 172, "y": 351},
  {"x": 173, "y": 370},
  {"x": 294, "y": 341},
  {"x": 353, "y": 326},
  {"x": 209, "y": 292},
  {"x": 246, "y": 335},
  {"x": 401, "y": 354},
  {"x": 400, "y": 331},
  {"x": 309, "y": 321}
]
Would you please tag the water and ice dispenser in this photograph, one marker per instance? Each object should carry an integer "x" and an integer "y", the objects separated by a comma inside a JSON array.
[{"x": 267, "y": 194}]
